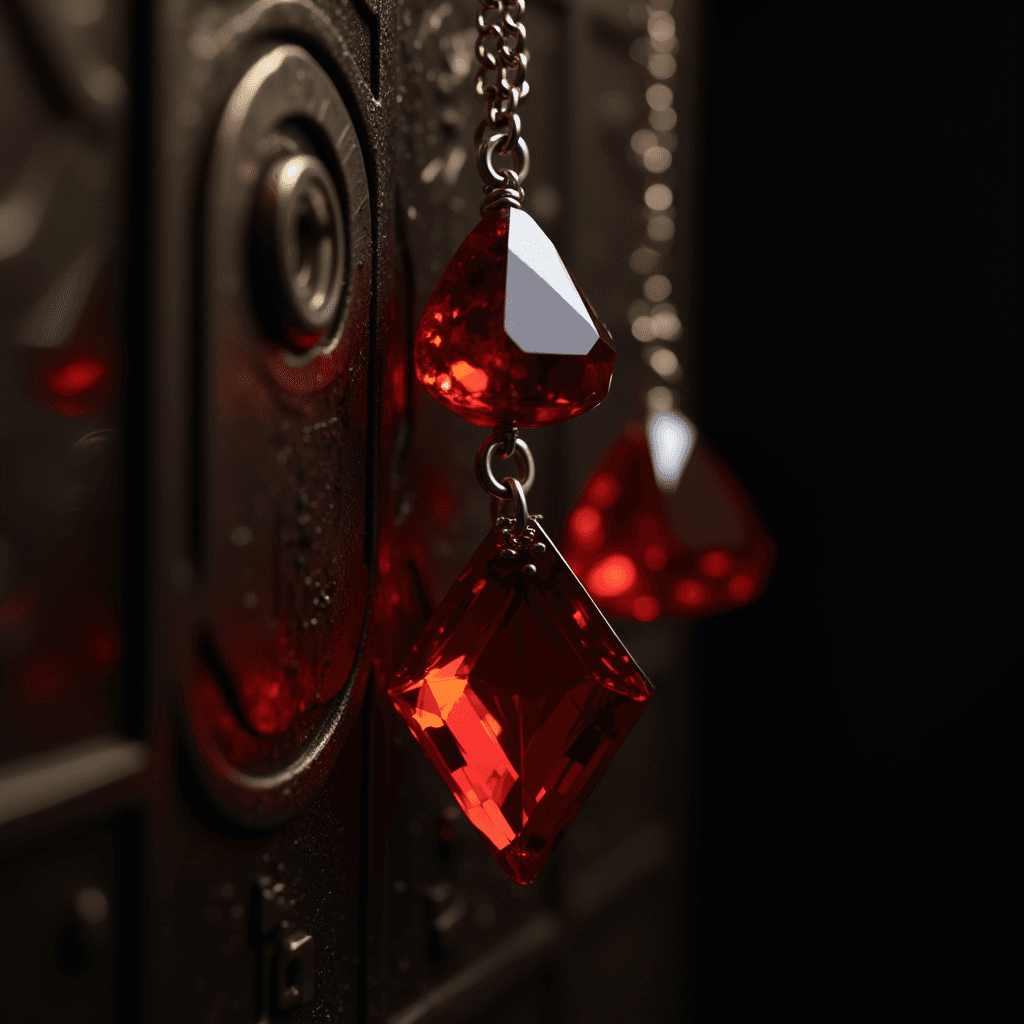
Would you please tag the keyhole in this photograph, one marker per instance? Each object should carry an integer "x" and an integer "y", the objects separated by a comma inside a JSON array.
[
  {"x": 307, "y": 247},
  {"x": 301, "y": 248},
  {"x": 316, "y": 248}
]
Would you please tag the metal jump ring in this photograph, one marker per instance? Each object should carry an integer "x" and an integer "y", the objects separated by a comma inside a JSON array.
[
  {"x": 518, "y": 498},
  {"x": 520, "y": 160},
  {"x": 485, "y": 468}
]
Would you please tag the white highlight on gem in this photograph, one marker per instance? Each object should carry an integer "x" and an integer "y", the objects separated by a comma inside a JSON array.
[
  {"x": 670, "y": 440},
  {"x": 543, "y": 310}
]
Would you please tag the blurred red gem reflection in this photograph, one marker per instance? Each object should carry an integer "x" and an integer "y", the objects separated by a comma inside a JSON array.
[
  {"x": 78, "y": 377},
  {"x": 66, "y": 648},
  {"x": 644, "y": 554},
  {"x": 468, "y": 362},
  {"x": 520, "y": 693}
]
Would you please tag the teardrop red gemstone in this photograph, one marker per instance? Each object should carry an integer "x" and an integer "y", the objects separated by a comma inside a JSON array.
[
  {"x": 520, "y": 693},
  {"x": 646, "y": 555},
  {"x": 507, "y": 277}
]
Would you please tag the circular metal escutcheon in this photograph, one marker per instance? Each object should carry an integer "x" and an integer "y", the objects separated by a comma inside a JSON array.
[{"x": 281, "y": 606}]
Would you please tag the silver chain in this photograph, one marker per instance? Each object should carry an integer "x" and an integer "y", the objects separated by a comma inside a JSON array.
[{"x": 501, "y": 48}]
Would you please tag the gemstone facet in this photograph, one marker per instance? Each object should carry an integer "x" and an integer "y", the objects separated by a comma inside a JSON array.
[
  {"x": 507, "y": 335},
  {"x": 520, "y": 693},
  {"x": 543, "y": 309}
]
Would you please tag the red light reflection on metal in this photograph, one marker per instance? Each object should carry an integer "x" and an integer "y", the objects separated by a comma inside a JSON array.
[
  {"x": 79, "y": 376},
  {"x": 76, "y": 377},
  {"x": 66, "y": 648}
]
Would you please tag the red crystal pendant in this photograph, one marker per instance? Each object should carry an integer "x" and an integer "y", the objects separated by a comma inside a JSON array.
[
  {"x": 645, "y": 555},
  {"x": 507, "y": 334},
  {"x": 520, "y": 693}
]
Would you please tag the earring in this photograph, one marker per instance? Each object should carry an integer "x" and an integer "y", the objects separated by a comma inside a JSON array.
[
  {"x": 662, "y": 529},
  {"x": 518, "y": 690}
]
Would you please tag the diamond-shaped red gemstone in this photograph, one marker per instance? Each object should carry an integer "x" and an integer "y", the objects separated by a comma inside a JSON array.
[
  {"x": 646, "y": 555},
  {"x": 520, "y": 693},
  {"x": 560, "y": 363}
]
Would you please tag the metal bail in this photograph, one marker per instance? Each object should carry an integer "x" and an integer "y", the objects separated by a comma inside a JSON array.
[
  {"x": 519, "y": 503},
  {"x": 485, "y": 465}
]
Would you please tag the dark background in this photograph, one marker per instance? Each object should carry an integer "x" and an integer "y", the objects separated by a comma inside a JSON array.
[
  {"x": 860, "y": 371},
  {"x": 832, "y": 834}
]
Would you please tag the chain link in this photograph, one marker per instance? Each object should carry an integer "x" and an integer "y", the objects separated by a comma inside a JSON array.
[{"x": 501, "y": 50}]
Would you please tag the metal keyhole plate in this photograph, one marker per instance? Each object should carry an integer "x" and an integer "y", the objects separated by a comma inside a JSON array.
[{"x": 282, "y": 440}]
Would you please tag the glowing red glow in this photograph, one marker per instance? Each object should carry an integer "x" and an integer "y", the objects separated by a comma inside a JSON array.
[
  {"x": 216, "y": 724},
  {"x": 268, "y": 714},
  {"x": 655, "y": 557},
  {"x": 691, "y": 593},
  {"x": 646, "y": 609},
  {"x": 75, "y": 646},
  {"x": 715, "y": 563},
  {"x": 741, "y": 587},
  {"x": 586, "y": 528},
  {"x": 612, "y": 576},
  {"x": 470, "y": 377},
  {"x": 696, "y": 553},
  {"x": 304, "y": 340},
  {"x": 602, "y": 490},
  {"x": 76, "y": 377}
]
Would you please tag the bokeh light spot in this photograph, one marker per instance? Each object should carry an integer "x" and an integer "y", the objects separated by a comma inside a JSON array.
[
  {"x": 612, "y": 576},
  {"x": 655, "y": 557},
  {"x": 691, "y": 593},
  {"x": 603, "y": 490},
  {"x": 645, "y": 609},
  {"x": 715, "y": 563},
  {"x": 586, "y": 527},
  {"x": 741, "y": 587}
]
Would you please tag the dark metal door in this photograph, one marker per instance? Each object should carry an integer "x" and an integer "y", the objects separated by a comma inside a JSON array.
[{"x": 227, "y": 513}]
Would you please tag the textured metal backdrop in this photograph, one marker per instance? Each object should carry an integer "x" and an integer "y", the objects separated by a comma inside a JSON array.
[{"x": 167, "y": 853}]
